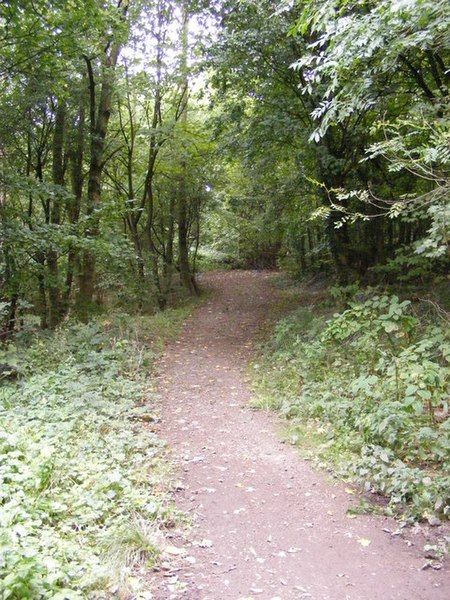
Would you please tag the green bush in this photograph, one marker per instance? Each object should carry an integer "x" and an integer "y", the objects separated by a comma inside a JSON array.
[
  {"x": 378, "y": 379},
  {"x": 77, "y": 459}
]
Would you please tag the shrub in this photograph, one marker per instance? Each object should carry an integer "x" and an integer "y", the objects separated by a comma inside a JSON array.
[
  {"x": 378, "y": 379},
  {"x": 77, "y": 458}
]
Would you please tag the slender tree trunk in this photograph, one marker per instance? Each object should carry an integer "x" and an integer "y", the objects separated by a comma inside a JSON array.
[
  {"x": 39, "y": 256},
  {"x": 168, "y": 261},
  {"x": 12, "y": 296},
  {"x": 197, "y": 244},
  {"x": 310, "y": 245},
  {"x": 12, "y": 313},
  {"x": 140, "y": 267},
  {"x": 303, "y": 254},
  {"x": 54, "y": 297},
  {"x": 186, "y": 276},
  {"x": 43, "y": 296},
  {"x": 99, "y": 120},
  {"x": 156, "y": 141},
  {"x": 183, "y": 243},
  {"x": 74, "y": 205}
]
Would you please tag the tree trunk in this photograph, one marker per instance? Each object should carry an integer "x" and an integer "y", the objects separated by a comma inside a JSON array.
[
  {"x": 186, "y": 276},
  {"x": 54, "y": 297},
  {"x": 74, "y": 205},
  {"x": 154, "y": 148},
  {"x": 168, "y": 259},
  {"x": 99, "y": 120},
  {"x": 303, "y": 254}
]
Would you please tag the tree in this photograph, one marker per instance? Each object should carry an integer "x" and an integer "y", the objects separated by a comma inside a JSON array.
[
  {"x": 44, "y": 80},
  {"x": 388, "y": 60},
  {"x": 262, "y": 122},
  {"x": 101, "y": 90}
]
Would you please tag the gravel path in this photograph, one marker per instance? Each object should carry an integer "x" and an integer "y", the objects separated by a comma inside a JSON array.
[{"x": 267, "y": 525}]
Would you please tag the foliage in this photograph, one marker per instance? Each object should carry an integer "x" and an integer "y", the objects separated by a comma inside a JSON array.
[
  {"x": 89, "y": 203},
  {"x": 79, "y": 461},
  {"x": 128, "y": 143},
  {"x": 353, "y": 47},
  {"x": 261, "y": 199},
  {"x": 357, "y": 55},
  {"x": 377, "y": 380}
]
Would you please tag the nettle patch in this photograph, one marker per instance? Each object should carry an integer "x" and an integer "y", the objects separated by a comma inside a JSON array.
[
  {"x": 375, "y": 381},
  {"x": 80, "y": 506}
]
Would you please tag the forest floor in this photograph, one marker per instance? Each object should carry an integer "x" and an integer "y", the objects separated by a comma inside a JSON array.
[{"x": 266, "y": 524}]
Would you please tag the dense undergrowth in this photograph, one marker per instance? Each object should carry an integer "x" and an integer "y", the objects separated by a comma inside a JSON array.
[
  {"x": 82, "y": 496},
  {"x": 368, "y": 388}
]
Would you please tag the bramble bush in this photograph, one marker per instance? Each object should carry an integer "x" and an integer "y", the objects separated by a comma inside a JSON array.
[
  {"x": 376, "y": 380},
  {"x": 78, "y": 464}
]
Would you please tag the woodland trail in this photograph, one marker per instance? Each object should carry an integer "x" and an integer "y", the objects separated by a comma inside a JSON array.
[{"x": 266, "y": 524}]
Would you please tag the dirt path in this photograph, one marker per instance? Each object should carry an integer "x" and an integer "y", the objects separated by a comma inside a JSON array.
[{"x": 267, "y": 526}]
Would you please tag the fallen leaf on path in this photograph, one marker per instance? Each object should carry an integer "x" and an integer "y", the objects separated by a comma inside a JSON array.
[
  {"x": 364, "y": 542},
  {"x": 350, "y": 491},
  {"x": 434, "y": 521},
  {"x": 174, "y": 550},
  {"x": 203, "y": 544},
  {"x": 197, "y": 459}
]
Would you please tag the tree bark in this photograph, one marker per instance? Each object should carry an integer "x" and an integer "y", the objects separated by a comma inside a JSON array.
[
  {"x": 99, "y": 120},
  {"x": 186, "y": 276},
  {"x": 54, "y": 297},
  {"x": 74, "y": 205}
]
